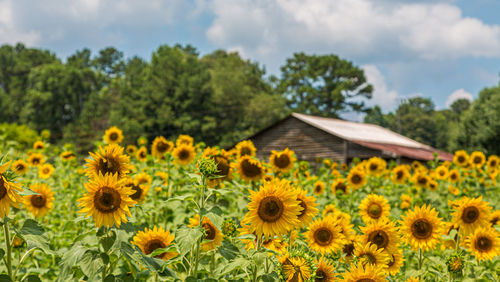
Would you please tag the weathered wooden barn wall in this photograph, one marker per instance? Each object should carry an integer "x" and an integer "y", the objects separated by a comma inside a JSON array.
[{"x": 306, "y": 141}]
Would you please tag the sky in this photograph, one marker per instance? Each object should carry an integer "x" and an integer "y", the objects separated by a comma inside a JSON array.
[{"x": 441, "y": 49}]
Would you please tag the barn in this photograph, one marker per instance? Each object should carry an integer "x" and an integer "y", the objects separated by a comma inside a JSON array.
[{"x": 313, "y": 137}]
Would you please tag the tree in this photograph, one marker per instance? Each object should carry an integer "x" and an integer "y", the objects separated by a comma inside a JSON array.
[
  {"x": 375, "y": 116},
  {"x": 323, "y": 85},
  {"x": 109, "y": 61},
  {"x": 480, "y": 124}
]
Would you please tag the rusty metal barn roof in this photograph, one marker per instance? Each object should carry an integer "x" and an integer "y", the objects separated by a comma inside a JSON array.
[{"x": 375, "y": 137}]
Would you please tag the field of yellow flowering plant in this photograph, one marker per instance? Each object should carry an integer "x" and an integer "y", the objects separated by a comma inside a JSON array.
[{"x": 175, "y": 210}]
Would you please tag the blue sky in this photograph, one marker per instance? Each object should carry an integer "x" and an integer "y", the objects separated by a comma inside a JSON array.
[{"x": 439, "y": 49}]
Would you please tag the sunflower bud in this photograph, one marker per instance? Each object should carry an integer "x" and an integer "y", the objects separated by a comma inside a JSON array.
[
  {"x": 228, "y": 227},
  {"x": 455, "y": 264},
  {"x": 207, "y": 167}
]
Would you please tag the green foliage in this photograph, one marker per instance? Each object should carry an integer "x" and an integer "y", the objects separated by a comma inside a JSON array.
[
  {"x": 18, "y": 136},
  {"x": 323, "y": 85}
]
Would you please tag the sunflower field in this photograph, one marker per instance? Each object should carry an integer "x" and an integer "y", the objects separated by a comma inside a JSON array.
[{"x": 180, "y": 211}]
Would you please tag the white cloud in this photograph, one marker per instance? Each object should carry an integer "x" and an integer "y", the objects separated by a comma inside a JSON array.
[
  {"x": 458, "y": 94},
  {"x": 354, "y": 28},
  {"x": 382, "y": 95},
  {"x": 9, "y": 31}
]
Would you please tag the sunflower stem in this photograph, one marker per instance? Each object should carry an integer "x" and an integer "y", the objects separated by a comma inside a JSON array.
[
  {"x": 419, "y": 259},
  {"x": 8, "y": 260},
  {"x": 200, "y": 215}
]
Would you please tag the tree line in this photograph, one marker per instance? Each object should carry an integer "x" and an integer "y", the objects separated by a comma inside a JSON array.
[{"x": 218, "y": 98}]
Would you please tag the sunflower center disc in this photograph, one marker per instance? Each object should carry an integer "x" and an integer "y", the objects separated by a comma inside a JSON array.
[
  {"x": 107, "y": 200},
  {"x": 365, "y": 280},
  {"x": 399, "y": 174},
  {"x": 152, "y": 245},
  {"x": 356, "y": 179},
  {"x": 374, "y": 211},
  {"x": 421, "y": 229},
  {"x": 108, "y": 165},
  {"x": 477, "y": 160},
  {"x": 35, "y": 161},
  {"x": 184, "y": 154},
  {"x": 113, "y": 136},
  {"x": 320, "y": 275},
  {"x": 483, "y": 244},
  {"x": 348, "y": 249},
  {"x": 370, "y": 258},
  {"x": 282, "y": 161},
  {"x": 422, "y": 180},
  {"x": 250, "y": 169},
  {"x": 138, "y": 192},
  {"x": 323, "y": 236},
  {"x": 379, "y": 238},
  {"x": 245, "y": 151},
  {"x": 210, "y": 231},
  {"x": 142, "y": 154},
  {"x": 38, "y": 201},
  {"x": 270, "y": 209},
  {"x": 3, "y": 190},
  {"x": 19, "y": 167},
  {"x": 317, "y": 188},
  {"x": 222, "y": 166},
  {"x": 162, "y": 147},
  {"x": 304, "y": 208},
  {"x": 470, "y": 214},
  {"x": 461, "y": 159},
  {"x": 341, "y": 186},
  {"x": 373, "y": 167}
]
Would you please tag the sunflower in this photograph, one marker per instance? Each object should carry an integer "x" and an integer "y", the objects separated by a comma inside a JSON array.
[
  {"x": 45, "y": 170},
  {"x": 157, "y": 238},
  {"x": 370, "y": 254},
  {"x": 38, "y": 145},
  {"x": 108, "y": 160},
  {"x": 8, "y": 192},
  {"x": 274, "y": 209},
  {"x": 471, "y": 214},
  {"x": 454, "y": 175},
  {"x": 295, "y": 269},
  {"x": 249, "y": 168},
  {"x": 484, "y": 243},
  {"x": 318, "y": 187},
  {"x": 131, "y": 149},
  {"x": 41, "y": 203},
  {"x": 441, "y": 172},
  {"x": 282, "y": 161},
  {"x": 184, "y": 139},
  {"x": 381, "y": 233},
  {"x": 477, "y": 159},
  {"x": 36, "y": 159},
  {"x": 139, "y": 190},
  {"x": 143, "y": 179},
  {"x": 421, "y": 180},
  {"x": 277, "y": 245},
  {"x": 184, "y": 154},
  {"x": 340, "y": 185},
  {"x": 330, "y": 210},
  {"x": 67, "y": 156},
  {"x": 461, "y": 158},
  {"x": 245, "y": 148},
  {"x": 400, "y": 174},
  {"x": 375, "y": 166},
  {"x": 374, "y": 207},
  {"x": 493, "y": 162},
  {"x": 308, "y": 204},
  {"x": 142, "y": 154},
  {"x": 19, "y": 167},
  {"x": 495, "y": 218},
  {"x": 113, "y": 135},
  {"x": 365, "y": 273},
  {"x": 325, "y": 271},
  {"x": 324, "y": 236},
  {"x": 421, "y": 228},
  {"x": 396, "y": 261},
  {"x": 161, "y": 146},
  {"x": 212, "y": 234},
  {"x": 413, "y": 279},
  {"x": 106, "y": 200},
  {"x": 433, "y": 185},
  {"x": 356, "y": 178}
]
